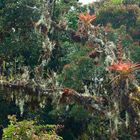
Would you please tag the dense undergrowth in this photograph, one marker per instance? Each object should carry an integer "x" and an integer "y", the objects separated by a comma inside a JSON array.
[{"x": 84, "y": 57}]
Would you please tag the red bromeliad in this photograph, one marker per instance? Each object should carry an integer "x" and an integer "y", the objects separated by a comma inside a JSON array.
[
  {"x": 87, "y": 19},
  {"x": 124, "y": 68},
  {"x": 68, "y": 91}
]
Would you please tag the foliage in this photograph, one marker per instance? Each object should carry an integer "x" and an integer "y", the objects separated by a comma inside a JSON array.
[
  {"x": 118, "y": 15},
  {"x": 27, "y": 130},
  {"x": 74, "y": 117},
  {"x": 84, "y": 57},
  {"x": 117, "y": 1},
  {"x": 18, "y": 38},
  {"x": 131, "y": 2},
  {"x": 76, "y": 59}
]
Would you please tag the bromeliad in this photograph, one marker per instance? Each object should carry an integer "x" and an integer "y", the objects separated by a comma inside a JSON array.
[
  {"x": 87, "y": 19},
  {"x": 124, "y": 68}
]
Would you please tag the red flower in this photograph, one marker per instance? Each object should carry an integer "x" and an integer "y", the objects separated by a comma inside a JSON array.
[
  {"x": 68, "y": 91},
  {"x": 124, "y": 68},
  {"x": 87, "y": 19}
]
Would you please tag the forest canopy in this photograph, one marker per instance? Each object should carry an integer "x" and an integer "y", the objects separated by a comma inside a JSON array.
[{"x": 82, "y": 63}]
